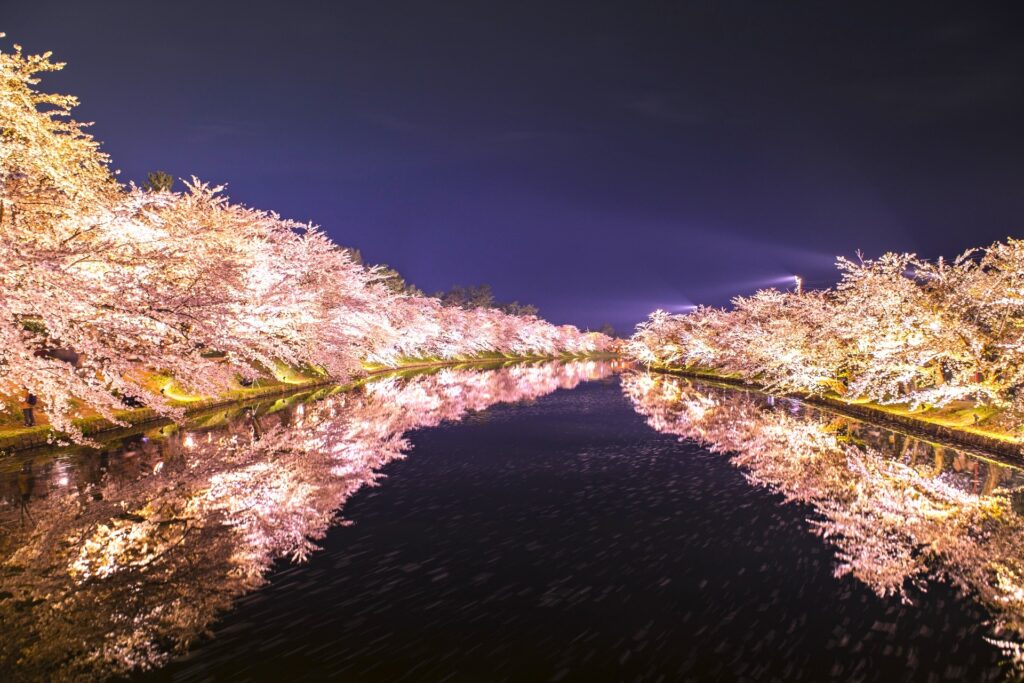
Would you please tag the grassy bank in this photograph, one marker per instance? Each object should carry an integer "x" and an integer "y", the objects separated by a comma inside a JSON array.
[
  {"x": 15, "y": 438},
  {"x": 955, "y": 426}
]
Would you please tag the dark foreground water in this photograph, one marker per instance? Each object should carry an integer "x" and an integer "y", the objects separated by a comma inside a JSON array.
[{"x": 576, "y": 534}]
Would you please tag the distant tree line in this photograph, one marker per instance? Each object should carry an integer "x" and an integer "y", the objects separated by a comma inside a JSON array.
[
  {"x": 481, "y": 296},
  {"x": 467, "y": 298}
]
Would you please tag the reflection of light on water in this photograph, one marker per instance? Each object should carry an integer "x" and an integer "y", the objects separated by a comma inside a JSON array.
[
  {"x": 147, "y": 562},
  {"x": 879, "y": 512}
]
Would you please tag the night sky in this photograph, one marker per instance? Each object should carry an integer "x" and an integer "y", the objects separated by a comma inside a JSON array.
[{"x": 597, "y": 162}]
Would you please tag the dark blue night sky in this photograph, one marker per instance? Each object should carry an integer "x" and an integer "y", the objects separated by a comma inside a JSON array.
[{"x": 597, "y": 162}]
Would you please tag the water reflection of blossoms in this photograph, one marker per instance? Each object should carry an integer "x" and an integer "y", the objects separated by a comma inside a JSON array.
[
  {"x": 131, "y": 555},
  {"x": 898, "y": 510}
]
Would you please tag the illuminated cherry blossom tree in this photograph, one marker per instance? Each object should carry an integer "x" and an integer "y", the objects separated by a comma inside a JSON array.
[
  {"x": 103, "y": 287},
  {"x": 897, "y": 329}
]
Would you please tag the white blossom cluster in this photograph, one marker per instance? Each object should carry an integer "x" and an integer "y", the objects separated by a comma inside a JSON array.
[
  {"x": 897, "y": 329},
  {"x": 101, "y": 285}
]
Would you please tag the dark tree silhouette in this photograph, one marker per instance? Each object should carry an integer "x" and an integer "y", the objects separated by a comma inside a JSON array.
[{"x": 158, "y": 181}]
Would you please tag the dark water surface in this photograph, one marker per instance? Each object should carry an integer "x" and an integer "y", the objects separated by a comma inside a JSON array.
[
  {"x": 567, "y": 540},
  {"x": 560, "y": 537}
]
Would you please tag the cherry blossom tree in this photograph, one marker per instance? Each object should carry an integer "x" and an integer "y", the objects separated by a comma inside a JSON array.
[
  {"x": 104, "y": 287},
  {"x": 897, "y": 329}
]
